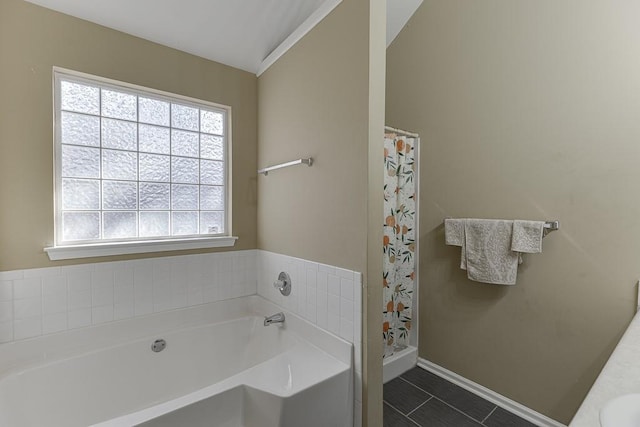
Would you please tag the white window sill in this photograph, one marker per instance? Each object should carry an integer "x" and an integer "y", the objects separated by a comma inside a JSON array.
[{"x": 124, "y": 248}]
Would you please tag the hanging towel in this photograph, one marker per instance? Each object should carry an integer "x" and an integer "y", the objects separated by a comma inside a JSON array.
[
  {"x": 487, "y": 251},
  {"x": 527, "y": 236},
  {"x": 454, "y": 236},
  {"x": 454, "y": 231}
]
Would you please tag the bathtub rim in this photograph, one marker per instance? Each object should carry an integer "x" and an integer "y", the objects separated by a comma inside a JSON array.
[{"x": 17, "y": 356}]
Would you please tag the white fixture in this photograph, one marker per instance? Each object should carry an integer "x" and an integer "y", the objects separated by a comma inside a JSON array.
[{"x": 623, "y": 411}]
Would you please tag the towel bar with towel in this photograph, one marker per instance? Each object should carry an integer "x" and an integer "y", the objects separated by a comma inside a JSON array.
[
  {"x": 549, "y": 225},
  {"x": 491, "y": 249}
]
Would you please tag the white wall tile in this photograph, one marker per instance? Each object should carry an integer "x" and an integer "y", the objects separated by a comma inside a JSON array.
[
  {"x": 142, "y": 306},
  {"x": 322, "y": 310},
  {"x": 357, "y": 293},
  {"x": 27, "y": 328},
  {"x": 6, "y": 290},
  {"x": 346, "y": 310},
  {"x": 123, "y": 291},
  {"x": 26, "y": 308},
  {"x": 101, "y": 288},
  {"x": 346, "y": 330},
  {"x": 328, "y": 269},
  {"x": 123, "y": 310},
  {"x": 346, "y": 288},
  {"x": 6, "y": 332},
  {"x": 77, "y": 300},
  {"x": 357, "y": 327},
  {"x": 143, "y": 276},
  {"x": 27, "y": 288},
  {"x": 322, "y": 282},
  {"x": 54, "y": 323},
  {"x": 79, "y": 280},
  {"x": 48, "y": 300},
  {"x": 344, "y": 273},
  {"x": 79, "y": 318},
  {"x": 54, "y": 285},
  {"x": 311, "y": 313},
  {"x": 333, "y": 305},
  {"x": 210, "y": 293},
  {"x": 123, "y": 285},
  {"x": 334, "y": 324},
  {"x": 333, "y": 284},
  {"x": 11, "y": 275},
  {"x": 6, "y": 311},
  {"x": 41, "y": 272},
  {"x": 312, "y": 295},
  {"x": 195, "y": 296},
  {"x": 54, "y": 303},
  {"x": 101, "y": 314}
]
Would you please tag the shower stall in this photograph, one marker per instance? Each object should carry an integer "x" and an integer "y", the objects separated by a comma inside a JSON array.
[{"x": 400, "y": 252}]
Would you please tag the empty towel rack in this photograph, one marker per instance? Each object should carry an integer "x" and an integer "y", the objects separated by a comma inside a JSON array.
[{"x": 266, "y": 170}]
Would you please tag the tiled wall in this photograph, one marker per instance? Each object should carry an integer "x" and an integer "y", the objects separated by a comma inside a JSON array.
[
  {"x": 327, "y": 296},
  {"x": 47, "y": 300}
]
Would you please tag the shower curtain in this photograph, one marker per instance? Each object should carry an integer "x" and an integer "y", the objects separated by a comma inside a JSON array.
[{"x": 399, "y": 240}]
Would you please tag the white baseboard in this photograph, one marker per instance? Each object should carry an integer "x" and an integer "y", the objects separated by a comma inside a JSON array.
[{"x": 493, "y": 397}]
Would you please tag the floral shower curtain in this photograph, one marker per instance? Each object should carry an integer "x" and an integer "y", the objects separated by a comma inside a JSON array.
[{"x": 399, "y": 241}]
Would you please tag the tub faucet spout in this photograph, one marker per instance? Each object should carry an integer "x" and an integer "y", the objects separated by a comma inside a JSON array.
[{"x": 276, "y": 318}]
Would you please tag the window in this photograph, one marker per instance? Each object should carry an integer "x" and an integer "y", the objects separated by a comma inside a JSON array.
[{"x": 135, "y": 164}]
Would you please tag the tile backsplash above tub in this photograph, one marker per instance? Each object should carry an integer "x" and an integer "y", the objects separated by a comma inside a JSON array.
[{"x": 46, "y": 300}]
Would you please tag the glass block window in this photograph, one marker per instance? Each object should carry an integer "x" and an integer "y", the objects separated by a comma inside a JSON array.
[{"x": 137, "y": 164}]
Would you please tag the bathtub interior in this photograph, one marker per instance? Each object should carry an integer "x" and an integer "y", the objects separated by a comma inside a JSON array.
[
  {"x": 300, "y": 381},
  {"x": 130, "y": 376},
  {"x": 209, "y": 362}
]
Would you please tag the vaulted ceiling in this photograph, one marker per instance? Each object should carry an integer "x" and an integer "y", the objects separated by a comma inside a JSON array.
[{"x": 246, "y": 34}]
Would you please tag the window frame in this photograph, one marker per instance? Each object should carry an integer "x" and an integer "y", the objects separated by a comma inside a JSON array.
[{"x": 102, "y": 247}]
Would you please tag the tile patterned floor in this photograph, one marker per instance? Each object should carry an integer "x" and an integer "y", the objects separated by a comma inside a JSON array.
[{"x": 419, "y": 398}]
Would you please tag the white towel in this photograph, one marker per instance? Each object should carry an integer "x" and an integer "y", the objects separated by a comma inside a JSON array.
[
  {"x": 454, "y": 231},
  {"x": 527, "y": 236},
  {"x": 454, "y": 236},
  {"x": 489, "y": 257}
]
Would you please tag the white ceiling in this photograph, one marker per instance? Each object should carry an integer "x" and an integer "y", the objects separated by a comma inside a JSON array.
[
  {"x": 239, "y": 33},
  {"x": 398, "y": 14}
]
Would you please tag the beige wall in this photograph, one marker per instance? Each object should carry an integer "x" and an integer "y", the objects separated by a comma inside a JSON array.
[
  {"x": 314, "y": 102},
  {"x": 32, "y": 41},
  {"x": 526, "y": 110},
  {"x": 319, "y": 100}
]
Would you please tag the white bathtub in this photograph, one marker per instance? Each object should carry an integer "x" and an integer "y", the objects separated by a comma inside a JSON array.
[{"x": 221, "y": 367}]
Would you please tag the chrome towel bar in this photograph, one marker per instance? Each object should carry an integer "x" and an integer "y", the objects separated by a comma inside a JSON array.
[{"x": 266, "y": 170}]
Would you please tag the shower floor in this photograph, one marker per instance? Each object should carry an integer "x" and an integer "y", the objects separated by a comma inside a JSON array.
[{"x": 420, "y": 398}]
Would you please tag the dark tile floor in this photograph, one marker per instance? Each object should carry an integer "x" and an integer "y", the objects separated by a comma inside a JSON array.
[{"x": 420, "y": 398}]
